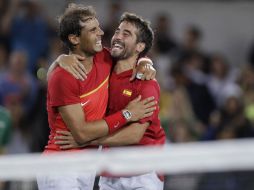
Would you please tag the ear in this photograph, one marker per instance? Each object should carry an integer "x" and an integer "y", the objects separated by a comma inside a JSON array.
[
  {"x": 140, "y": 47},
  {"x": 74, "y": 39}
]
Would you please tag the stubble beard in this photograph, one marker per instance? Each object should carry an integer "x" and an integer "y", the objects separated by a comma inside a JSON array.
[{"x": 121, "y": 56}]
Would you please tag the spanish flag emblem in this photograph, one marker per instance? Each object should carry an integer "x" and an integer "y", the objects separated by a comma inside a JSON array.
[{"x": 127, "y": 92}]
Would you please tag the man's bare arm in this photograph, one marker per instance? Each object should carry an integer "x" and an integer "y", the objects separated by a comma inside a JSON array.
[
  {"x": 128, "y": 135},
  {"x": 144, "y": 70},
  {"x": 83, "y": 131},
  {"x": 72, "y": 64}
]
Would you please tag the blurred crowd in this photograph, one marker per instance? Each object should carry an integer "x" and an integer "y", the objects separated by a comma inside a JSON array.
[{"x": 203, "y": 96}]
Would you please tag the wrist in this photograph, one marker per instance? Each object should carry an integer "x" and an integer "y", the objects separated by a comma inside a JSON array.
[
  {"x": 126, "y": 114},
  {"x": 115, "y": 121}
]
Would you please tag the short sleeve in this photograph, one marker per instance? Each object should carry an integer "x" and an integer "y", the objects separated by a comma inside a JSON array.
[
  {"x": 151, "y": 88},
  {"x": 63, "y": 89}
]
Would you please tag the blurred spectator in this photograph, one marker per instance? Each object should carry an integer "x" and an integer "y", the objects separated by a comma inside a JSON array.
[
  {"x": 230, "y": 122},
  {"x": 164, "y": 47},
  {"x": 251, "y": 55},
  {"x": 3, "y": 58},
  {"x": 191, "y": 41},
  {"x": 222, "y": 77},
  {"x": 201, "y": 100},
  {"x": 192, "y": 38},
  {"x": 183, "y": 131},
  {"x": 164, "y": 42},
  {"x": 193, "y": 63},
  {"x": 18, "y": 92},
  {"x": 5, "y": 128},
  {"x": 17, "y": 84},
  {"x": 233, "y": 180},
  {"x": 192, "y": 45},
  {"x": 247, "y": 84},
  {"x": 191, "y": 102},
  {"x": 28, "y": 30},
  {"x": 4, "y": 5}
]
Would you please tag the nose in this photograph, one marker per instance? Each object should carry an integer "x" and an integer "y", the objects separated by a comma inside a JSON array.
[
  {"x": 101, "y": 32},
  {"x": 117, "y": 36}
]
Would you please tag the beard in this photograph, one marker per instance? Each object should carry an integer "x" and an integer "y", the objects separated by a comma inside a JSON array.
[
  {"x": 120, "y": 51},
  {"x": 120, "y": 54}
]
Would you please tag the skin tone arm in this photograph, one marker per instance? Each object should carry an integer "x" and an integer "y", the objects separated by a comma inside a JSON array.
[
  {"x": 128, "y": 135},
  {"x": 145, "y": 67},
  {"x": 72, "y": 64},
  {"x": 83, "y": 131}
]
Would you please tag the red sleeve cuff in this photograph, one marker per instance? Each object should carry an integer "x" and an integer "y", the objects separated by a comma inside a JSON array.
[{"x": 115, "y": 121}]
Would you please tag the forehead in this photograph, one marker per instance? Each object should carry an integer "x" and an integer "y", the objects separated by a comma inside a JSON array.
[
  {"x": 89, "y": 22},
  {"x": 125, "y": 25}
]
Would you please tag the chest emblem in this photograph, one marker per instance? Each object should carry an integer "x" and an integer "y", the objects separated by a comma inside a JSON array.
[{"x": 127, "y": 92}]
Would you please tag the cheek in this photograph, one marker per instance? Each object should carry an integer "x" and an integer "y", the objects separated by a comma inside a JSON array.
[
  {"x": 87, "y": 43},
  {"x": 87, "y": 38},
  {"x": 130, "y": 46},
  {"x": 84, "y": 40}
]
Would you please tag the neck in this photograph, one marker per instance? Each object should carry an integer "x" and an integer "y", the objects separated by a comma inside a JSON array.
[
  {"x": 88, "y": 59},
  {"x": 125, "y": 64}
]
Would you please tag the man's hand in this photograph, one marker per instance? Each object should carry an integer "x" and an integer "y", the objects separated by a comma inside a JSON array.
[
  {"x": 141, "y": 108},
  {"x": 144, "y": 70},
  {"x": 66, "y": 141},
  {"x": 72, "y": 64}
]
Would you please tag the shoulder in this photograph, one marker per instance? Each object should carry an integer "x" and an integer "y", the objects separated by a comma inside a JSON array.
[
  {"x": 150, "y": 84},
  {"x": 62, "y": 84},
  {"x": 149, "y": 88},
  {"x": 60, "y": 75}
]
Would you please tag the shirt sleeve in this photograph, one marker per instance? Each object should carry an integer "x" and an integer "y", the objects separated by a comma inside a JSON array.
[
  {"x": 151, "y": 88},
  {"x": 63, "y": 89}
]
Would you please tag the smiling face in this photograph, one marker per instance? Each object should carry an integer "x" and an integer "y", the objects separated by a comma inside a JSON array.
[
  {"x": 79, "y": 29},
  {"x": 124, "y": 42},
  {"x": 89, "y": 41}
]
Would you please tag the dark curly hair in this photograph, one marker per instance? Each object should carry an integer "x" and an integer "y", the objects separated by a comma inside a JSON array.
[
  {"x": 145, "y": 32},
  {"x": 69, "y": 22}
]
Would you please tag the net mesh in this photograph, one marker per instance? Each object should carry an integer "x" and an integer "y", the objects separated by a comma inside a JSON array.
[{"x": 222, "y": 165}]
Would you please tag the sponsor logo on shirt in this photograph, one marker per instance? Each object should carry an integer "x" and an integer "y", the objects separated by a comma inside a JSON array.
[
  {"x": 116, "y": 125},
  {"x": 127, "y": 92},
  {"x": 84, "y": 103}
]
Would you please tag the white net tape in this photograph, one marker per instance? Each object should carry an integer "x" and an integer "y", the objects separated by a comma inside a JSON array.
[{"x": 172, "y": 159}]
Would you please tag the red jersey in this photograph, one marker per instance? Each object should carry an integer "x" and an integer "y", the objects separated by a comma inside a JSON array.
[
  {"x": 122, "y": 91},
  {"x": 92, "y": 94}
]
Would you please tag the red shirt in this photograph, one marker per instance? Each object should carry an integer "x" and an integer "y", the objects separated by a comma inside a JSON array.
[
  {"x": 92, "y": 94},
  {"x": 122, "y": 91}
]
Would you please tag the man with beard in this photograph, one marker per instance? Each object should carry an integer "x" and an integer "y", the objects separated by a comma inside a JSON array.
[
  {"x": 73, "y": 104},
  {"x": 132, "y": 39}
]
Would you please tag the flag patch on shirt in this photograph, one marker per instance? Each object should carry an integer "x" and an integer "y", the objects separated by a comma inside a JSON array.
[{"x": 127, "y": 92}]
